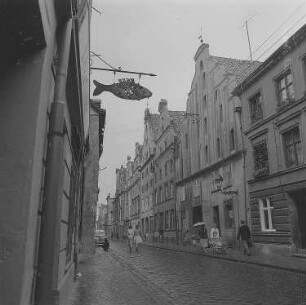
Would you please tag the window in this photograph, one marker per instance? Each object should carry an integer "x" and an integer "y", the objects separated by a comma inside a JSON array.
[
  {"x": 205, "y": 101},
  {"x": 221, "y": 113},
  {"x": 160, "y": 174},
  {"x": 201, "y": 65},
  {"x": 167, "y": 220},
  {"x": 218, "y": 148},
  {"x": 186, "y": 140},
  {"x": 216, "y": 95},
  {"x": 292, "y": 147},
  {"x": 255, "y": 108},
  {"x": 261, "y": 161},
  {"x": 229, "y": 214},
  {"x": 203, "y": 79},
  {"x": 160, "y": 194},
  {"x": 171, "y": 189},
  {"x": 166, "y": 191},
  {"x": 183, "y": 194},
  {"x": 232, "y": 140},
  {"x": 206, "y": 154},
  {"x": 155, "y": 197},
  {"x": 171, "y": 165},
  {"x": 205, "y": 125},
  {"x": 265, "y": 209},
  {"x": 196, "y": 189},
  {"x": 172, "y": 220},
  {"x": 284, "y": 87}
]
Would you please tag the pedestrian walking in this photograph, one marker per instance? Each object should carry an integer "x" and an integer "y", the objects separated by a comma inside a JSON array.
[
  {"x": 130, "y": 238},
  {"x": 244, "y": 233},
  {"x": 137, "y": 239}
]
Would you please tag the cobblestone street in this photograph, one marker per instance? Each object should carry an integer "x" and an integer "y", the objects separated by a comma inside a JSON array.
[{"x": 160, "y": 276}]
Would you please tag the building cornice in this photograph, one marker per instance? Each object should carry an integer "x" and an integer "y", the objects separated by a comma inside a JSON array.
[
  {"x": 208, "y": 169},
  {"x": 279, "y": 112}
]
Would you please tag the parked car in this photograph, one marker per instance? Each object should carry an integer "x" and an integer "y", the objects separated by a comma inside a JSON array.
[{"x": 100, "y": 237}]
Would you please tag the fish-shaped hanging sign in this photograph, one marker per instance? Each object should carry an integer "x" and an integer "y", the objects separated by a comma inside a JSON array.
[{"x": 126, "y": 88}]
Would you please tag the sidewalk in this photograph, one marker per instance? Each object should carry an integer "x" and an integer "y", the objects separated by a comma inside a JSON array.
[{"x": 294, "y": 264}]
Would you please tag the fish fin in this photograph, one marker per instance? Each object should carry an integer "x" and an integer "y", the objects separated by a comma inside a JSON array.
[{"x": 99, "y": 88}]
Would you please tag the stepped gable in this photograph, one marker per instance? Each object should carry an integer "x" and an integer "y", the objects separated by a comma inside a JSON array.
[
  {"x": 177, "y": 119},
  {"x": 240, "y": 68}
]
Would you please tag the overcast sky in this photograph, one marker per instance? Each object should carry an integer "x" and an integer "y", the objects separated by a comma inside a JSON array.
[{"x": 161, "y": 37}]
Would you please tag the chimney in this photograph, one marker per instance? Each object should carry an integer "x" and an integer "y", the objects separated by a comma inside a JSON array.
[
  {"x": 163, "y": 105},
  {"x": 147, "y": 114}
]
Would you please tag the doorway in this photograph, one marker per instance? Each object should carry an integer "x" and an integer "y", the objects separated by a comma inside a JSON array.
[
  {"x": 299, "y": 198},
  {"x": 197, "y": 214},
  {"x": 216, "y": 218}
]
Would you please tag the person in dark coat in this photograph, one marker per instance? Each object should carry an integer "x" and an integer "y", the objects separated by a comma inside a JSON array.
[
  {"x": 105, "y": 245},
  {"x": 244, "y": 234}
]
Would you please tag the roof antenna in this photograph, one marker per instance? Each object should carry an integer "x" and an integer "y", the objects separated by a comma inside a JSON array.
[{"x": 245, "y": 24}]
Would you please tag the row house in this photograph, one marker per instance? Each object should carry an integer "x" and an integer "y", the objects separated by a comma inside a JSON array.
[
  {"x": 110, "y": 215},
  {"x": 146, "y": 171},
  {"x": 135, "y": 190},
  {"x": 120, "y": 202},
  {"x": 273, "y": 104},
  {"x": 169, "y": 126},
  {"x": 210, "y": 170}
]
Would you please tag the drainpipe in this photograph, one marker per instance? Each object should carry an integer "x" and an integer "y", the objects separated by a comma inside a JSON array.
[{"x": 49, "y": 246}]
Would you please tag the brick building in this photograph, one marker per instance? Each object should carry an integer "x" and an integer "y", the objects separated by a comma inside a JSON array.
[{"x": 211, "y": 184}]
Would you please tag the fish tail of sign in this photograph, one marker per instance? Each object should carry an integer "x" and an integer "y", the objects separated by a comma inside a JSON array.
[{"x": 99, "y": 88}]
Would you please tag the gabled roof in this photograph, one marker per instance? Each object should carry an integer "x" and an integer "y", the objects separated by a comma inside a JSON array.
[
  {"x": 237, "y": 67},
  {"x": 177, "y": 119}
]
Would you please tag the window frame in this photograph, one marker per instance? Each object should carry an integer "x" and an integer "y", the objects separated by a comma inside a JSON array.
[
  {"x": 277, "y": 79},
  {"x": 284, "y": 133},
  {"x": 269, "y": 209},
  {"x": 254, "y": 119},
  {"x": 227, "y": 224},
  {"x": 261, "y": 171}
]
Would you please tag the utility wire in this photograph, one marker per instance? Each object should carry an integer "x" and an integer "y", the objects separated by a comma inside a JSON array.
[
  {"x": 243, "y": 71},
  {"x": 279, "y": 27},
  {"x": 281, "y": 37}
]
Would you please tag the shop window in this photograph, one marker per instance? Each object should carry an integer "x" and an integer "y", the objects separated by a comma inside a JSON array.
[
  {"x": 261, "y": 160},
  {"x": 284, "y": 88},
  {"x": 256, "y": 112},
  {"x": 229, "y": 214},
  {"x": 265, "y": 209},
  {"x": 292, "y": 147}
]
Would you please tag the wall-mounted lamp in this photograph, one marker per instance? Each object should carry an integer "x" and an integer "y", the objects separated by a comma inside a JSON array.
[{"x": 219, "y": 181}]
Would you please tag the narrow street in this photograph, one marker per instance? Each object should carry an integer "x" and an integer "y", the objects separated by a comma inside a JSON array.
[{"x": 160, "y": 276}]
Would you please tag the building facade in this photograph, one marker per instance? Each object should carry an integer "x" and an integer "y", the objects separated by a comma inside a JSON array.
[
  {"x": 146, "y": 171},
  {"x": 165, "y": 214},
  {"x": 274, "y": 123},
  {"x": 211, "y": 186},
  {"x": 94, "y": 149},
  {"x": 44, "y": 124}
]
